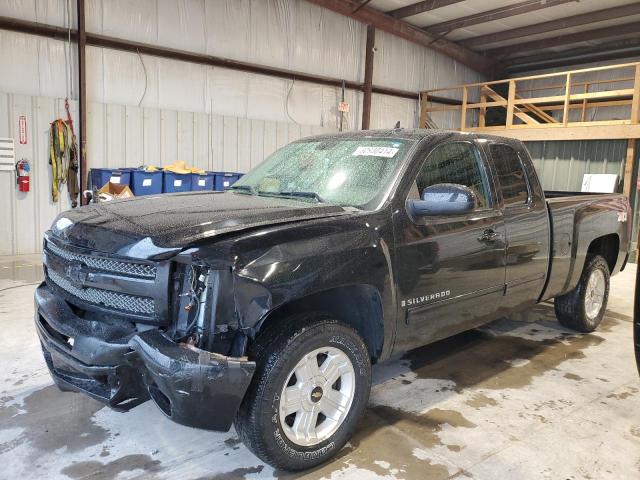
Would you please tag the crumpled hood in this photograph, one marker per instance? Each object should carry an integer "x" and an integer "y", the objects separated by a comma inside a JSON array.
[{"x": 157, "y": 226}]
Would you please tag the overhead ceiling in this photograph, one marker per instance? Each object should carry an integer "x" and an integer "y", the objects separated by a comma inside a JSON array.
[{"x": 527, "y": 34}]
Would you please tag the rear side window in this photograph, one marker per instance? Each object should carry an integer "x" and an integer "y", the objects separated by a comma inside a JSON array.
[
  {"x": 455, "y": 163},
  {"x": 510, "y": 174}
]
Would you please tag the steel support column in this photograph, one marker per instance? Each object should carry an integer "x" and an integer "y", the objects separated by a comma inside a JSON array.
[
  {"x": 82, "y": 100},
  {"x": 368, "y": 77}
]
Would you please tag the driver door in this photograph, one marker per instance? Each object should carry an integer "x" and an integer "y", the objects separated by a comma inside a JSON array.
[{"x": 450, "y": 270}]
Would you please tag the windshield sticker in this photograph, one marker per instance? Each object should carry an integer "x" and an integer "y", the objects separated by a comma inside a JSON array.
[{"x": 387, "y": 152}]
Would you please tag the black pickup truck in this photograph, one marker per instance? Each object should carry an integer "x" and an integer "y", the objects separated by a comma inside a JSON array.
[{"x": 265, "y": 306}]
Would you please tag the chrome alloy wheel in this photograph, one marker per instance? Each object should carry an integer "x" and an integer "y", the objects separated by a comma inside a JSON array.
[
  {"x": 317, "y": 396},
  {"x": 594, "y": 294}
]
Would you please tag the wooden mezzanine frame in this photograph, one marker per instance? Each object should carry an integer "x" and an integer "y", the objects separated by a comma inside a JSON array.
[{"x": 530, "y": 108}]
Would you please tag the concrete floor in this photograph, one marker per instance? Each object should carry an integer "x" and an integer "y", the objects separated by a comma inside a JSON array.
[{"x": 521, "y": 398}]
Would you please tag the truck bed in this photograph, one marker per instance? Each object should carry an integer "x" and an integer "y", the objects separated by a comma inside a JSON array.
[{"x": 576, "y": 219}]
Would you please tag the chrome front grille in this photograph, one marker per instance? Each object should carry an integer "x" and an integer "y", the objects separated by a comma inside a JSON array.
[
  {"x": 131, "y": 269},
  {"x": 105, "y": 298},
  {"x": 130, "y": 288}
]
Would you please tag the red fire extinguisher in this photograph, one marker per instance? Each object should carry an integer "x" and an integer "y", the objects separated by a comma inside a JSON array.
[{"x": 23, "y": 170}]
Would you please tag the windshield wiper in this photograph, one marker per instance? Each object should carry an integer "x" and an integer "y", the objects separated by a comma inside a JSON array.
[
  {"x": 251, "y": 190},
  {"x": 313, "y": 195},
  {"x": 244, "y": 188}
]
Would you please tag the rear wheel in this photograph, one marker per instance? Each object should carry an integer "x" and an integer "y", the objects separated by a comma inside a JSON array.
[
  {"x": 583, "y": 308},
  {"x": 310, "y": 388}
]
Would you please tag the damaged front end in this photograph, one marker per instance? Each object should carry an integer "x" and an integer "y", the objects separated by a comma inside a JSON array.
[{"x": 125, "y": 331}]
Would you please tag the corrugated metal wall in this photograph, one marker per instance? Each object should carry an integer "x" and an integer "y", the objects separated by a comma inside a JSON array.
[
  {"x": 122, "y": 136},
  {"x": 562, "y": 164},
  {"x": 25, "y": 216}
]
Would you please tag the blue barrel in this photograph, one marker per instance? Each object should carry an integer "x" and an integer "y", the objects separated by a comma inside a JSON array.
[
  {"x": 146, "y": 183},
  {"x": 224, "y": 180},
  {"x": 202, "y": 181},
  {"x": 176, "y": 182},
  {"x": 101, "y": 176}
]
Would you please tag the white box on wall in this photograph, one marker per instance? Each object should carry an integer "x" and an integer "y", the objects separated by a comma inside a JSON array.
[
  {"x": 599, "y": 182},
  {"x": 7, "y": 155}
]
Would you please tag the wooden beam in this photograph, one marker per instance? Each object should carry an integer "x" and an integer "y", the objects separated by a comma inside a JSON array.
[
  {"x": 635, "y": 98},
  {"x": 368, "y": 77},
  {"x": 575, "y": 131},
  {"x": 420, "y": 7},
  {"x": 588, "y": 105},
  {"x": 599, "y": 33},
  {"x": 482, "y": 120},
  {"x": 553, "y": 25},
  {"x": 495, "y": 14},
  {"x": 463, "y": 110},
  {"x": 583, "y": 108},
  {"x": 576, "y": 56},
  {"x": 576, "y": 96},
  {"x": 629, "y": 167},
  {"x": 510, "y": 102},
  {"x": 82, "y": 100},
  {"x": 544, "y": 75},
  {"x": 409, "y": 32},
  {"x": 567, "y": 98}
]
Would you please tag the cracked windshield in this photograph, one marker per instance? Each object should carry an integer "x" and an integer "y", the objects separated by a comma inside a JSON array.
[{"x": 343, "y": 172}]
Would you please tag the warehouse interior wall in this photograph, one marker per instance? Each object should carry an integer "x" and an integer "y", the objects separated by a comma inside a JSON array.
[
  {"x": 561, "y": 165},
  {"x": 154, "y": 111}
]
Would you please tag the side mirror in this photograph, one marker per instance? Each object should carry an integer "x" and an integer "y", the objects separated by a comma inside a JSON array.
[{"x": 444, "y": 199}]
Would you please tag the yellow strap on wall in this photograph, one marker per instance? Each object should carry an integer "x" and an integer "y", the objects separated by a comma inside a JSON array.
[{"x": 54, "y": 165}]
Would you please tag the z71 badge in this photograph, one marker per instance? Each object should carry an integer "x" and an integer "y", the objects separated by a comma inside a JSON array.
[{"x": 409, "y": 302}]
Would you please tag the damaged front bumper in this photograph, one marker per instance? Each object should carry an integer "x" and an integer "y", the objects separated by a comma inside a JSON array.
[{"x": 193, "y": 387}]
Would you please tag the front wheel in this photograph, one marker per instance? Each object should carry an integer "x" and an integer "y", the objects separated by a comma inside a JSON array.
[
  {"x": 310, "y": 388},
  {"x": 583, "y": 308}
]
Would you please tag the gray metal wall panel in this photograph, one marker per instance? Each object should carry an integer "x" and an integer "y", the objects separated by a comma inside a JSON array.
[
  {"x": 123, "y": 136},
  {"x": 562, "y": 164}
]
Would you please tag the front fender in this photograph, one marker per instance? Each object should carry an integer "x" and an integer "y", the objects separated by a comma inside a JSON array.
[{"x": 286, "y": 264}]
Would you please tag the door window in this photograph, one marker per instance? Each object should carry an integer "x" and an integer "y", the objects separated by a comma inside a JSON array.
[
  {"x": 456, "y": 163},
  {"x": 510, "y": 174}
]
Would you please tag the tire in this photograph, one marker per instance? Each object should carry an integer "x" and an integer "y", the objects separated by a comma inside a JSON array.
[
  {"x": 574, "y": 309},
  {"x": 293, "y": 343}
]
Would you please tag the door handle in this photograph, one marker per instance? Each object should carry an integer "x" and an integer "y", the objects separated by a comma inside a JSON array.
[{"x": 489, "y": 236}]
